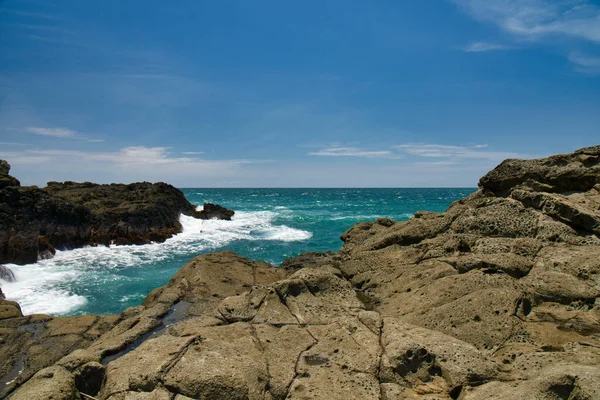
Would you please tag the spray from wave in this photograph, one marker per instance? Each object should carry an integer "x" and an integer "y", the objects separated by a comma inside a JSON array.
[{"x": 47, "y": 286}]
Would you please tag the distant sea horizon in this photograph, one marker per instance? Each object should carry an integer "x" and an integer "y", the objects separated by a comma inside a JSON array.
[{"x": 270, "y": 224}]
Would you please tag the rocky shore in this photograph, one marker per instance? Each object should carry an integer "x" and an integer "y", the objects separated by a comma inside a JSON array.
[
  {"x": 34, "y": 222},
  {"x": 496, "y": 298}
]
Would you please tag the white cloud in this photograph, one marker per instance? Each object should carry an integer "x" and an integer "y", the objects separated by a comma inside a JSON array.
[
  {"x": 477, "y": 47},
  {"x": 457, "y": 152},
  {"x": 55, "y": 132},
  {"x": 585, "y": 64},
  {"x": 138, "y": 156},
  {"x": 536, "y": 20},
  {"x": 62, "y": 133},
  {"x": 129, "y": 164},
  {"x": 351, "y": 152},
  {"x": 12, "y": 144},
  {"x": 533, "y": 19},
  {"x": 192, "y": 152}
]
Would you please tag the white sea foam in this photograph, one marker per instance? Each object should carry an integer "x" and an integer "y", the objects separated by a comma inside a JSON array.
[
  {"x": 43, "y": 287},
  {"x": 35, "y": 289},
  {"x": 127, "y": 298}
]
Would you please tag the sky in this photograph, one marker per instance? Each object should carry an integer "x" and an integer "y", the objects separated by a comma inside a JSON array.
[{"x": 270, "y": 93}]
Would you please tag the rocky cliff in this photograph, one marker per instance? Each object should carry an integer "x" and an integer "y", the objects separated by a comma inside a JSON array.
[
  {"x": 33, "y": 221},
  {"x": 496, "y": 298}
]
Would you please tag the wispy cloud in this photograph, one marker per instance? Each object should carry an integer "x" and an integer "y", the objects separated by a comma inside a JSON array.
[
  {"x": 41, "y": 28},
  {"x": 477, "y": 47},
  {"x": 192, "y": 153},
  {"x": 55, "y": 132},
  {"x": 134, "y": 163},
  {"x": 533, "y": 19},
  {"x": 137, "y": 155},
  {"x": 457, "y": 152},
  {"x": 351, "y": 152},
  {"x": 446, "y": 154},
  {"x": 550, "y": 21},
  {"x": 30, "y": 14},
  {"x": 585, "y": 64},
  {"x": 62, "y": 133},
  {"x": 12, "y": 144}
]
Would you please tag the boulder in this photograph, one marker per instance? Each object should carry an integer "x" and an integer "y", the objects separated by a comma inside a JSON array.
[
  {"x": 215, "y": 211},
  {"x": 578, "y": 171},
  {"x": 5, "y": 179}
]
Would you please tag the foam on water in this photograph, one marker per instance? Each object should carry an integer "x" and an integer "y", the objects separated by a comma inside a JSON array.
[
  {"x": 39, "y": 288},
  {"x": 44, "y": 287}
]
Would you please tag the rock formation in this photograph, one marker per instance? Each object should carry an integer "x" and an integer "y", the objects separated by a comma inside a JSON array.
[
  {"x": 496, "y": 298},
  {"x": 33, "y": 221},
  {"x": 5, "y": 179},
  {"x": 210, "y": 211}
]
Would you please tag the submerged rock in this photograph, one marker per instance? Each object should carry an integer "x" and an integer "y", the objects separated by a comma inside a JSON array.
[
  {"x": 495, "y": 298},
  {"x": 211, "y": 211}
]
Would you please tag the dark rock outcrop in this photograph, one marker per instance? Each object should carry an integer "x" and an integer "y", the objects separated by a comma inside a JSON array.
[
  {"x": 28, "y": 213},
  {"x": 34, "y": 222},
  {"x": 137, "y": 213},
  {"x": 211, "y": 211},
  {"x": 496, "y": 298},
  {"x": 5, "y": 179}
]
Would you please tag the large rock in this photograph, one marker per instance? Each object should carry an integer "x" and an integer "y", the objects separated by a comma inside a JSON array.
[
  {"x": 5, "y": 179},
  {"x": 578, "y": 171},
  {"x": 215, "y": 211},
  {"x": 127, "y": 214},
  {"x": 33, "y": 221}
]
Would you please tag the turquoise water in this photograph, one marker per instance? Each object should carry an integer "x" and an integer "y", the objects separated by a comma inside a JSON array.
[{"x": 270, "y": 225}]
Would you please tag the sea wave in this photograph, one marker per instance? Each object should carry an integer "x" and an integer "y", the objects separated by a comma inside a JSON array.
[{"x": 44, "y": 287}]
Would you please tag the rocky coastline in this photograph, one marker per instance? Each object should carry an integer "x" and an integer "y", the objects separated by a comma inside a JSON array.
[
  {"x": 496, "y": 298},
  {"x": 34, "y": 222}
]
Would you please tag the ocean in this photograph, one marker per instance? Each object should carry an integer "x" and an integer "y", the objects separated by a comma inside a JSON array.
[{"x": 269, "y": 224}]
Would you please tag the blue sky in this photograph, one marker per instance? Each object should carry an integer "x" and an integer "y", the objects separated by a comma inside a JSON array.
[{"x": 294, "y": 94}]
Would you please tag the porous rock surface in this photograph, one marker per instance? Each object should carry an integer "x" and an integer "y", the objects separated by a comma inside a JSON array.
[
  {"x": 34, "y": 222},
  {"x": 496, "y": 298}
]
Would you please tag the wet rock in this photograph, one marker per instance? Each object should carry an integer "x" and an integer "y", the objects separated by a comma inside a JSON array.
[
  {"x": 29, "y": 344},
  {"x": 215, "y": 211}
]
